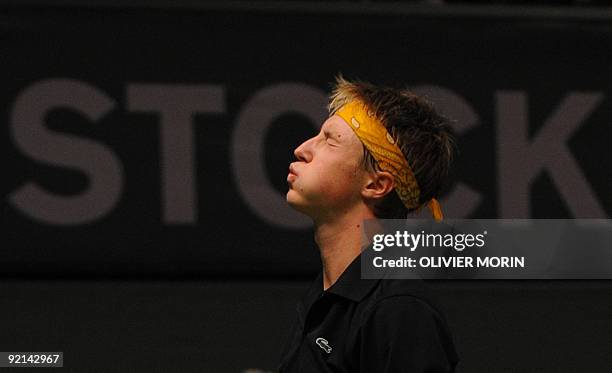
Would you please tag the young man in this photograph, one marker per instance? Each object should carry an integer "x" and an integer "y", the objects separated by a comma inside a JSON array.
[{"x": 382, "y": 153}]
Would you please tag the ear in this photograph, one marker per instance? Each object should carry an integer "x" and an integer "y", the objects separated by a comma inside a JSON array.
[{"x": 378, "y": 184}]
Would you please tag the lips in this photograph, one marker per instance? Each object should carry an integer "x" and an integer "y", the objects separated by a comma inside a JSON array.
[
  {"x": 292, "y": 170},
  {"x": 292, "y": 174}
]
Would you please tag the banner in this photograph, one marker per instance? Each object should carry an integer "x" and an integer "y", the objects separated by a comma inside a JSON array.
[{"x": 156, "y": 142}]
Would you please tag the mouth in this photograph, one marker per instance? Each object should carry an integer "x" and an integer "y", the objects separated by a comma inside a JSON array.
[
  {"x": 292, "y": 174},
  {"x": 292, "y": 170}
]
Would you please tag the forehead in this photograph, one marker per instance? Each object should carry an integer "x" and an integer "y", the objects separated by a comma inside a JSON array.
[{"x": 335, "y": 124}]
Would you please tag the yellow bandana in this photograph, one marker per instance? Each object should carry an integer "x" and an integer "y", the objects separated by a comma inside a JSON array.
[{"x": 388, "y": 155}]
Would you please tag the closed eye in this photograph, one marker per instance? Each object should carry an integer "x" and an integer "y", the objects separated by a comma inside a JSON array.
[{"x": 330, "y": 139}]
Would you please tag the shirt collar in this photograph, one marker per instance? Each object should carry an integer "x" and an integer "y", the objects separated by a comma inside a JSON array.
[{"x": 349, "y": 285}]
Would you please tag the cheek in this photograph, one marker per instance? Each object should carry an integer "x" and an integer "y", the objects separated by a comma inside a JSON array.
[{"x": 339, "y": 184}]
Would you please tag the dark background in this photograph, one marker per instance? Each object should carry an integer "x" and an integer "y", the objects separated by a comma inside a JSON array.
[{"x": 133, "y": 289}]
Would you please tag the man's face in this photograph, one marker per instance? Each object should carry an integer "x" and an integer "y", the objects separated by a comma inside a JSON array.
[{"x": 328, "y": 175}]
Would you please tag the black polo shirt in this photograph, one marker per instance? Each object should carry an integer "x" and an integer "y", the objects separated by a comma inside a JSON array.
[{"x": 363, "y": 325}]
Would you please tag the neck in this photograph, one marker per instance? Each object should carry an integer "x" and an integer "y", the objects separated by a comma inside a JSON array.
[{"x": 340, "y": 240}]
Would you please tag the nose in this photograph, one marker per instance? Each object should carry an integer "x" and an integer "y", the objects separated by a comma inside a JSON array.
[{"x": 304, "y": 151}]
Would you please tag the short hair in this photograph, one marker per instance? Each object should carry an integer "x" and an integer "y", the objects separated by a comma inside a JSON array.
[{"x": 423, "y": 135}]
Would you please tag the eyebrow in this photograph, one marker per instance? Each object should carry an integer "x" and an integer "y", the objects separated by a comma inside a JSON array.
[{"x": 332, "y": 134}]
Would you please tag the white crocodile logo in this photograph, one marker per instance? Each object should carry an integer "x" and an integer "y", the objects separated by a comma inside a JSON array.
[{"x": 324, "y": 344}]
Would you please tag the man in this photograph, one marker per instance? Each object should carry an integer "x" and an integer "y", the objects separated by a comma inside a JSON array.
[{"x": 382, "y": 153}]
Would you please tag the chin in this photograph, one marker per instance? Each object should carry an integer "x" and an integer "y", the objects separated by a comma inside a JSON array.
[
  {"x": 293, "y": 200},
  {"x": 297, "y": 203}
]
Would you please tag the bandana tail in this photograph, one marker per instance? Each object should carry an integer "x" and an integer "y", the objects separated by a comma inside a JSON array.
[{"x": 435, "y": 208}]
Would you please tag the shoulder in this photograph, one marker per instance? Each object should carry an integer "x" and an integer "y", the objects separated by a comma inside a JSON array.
[
  {"x": 405, "y": 310},
  {"x": 402, "y": 328},
  {"x": 395, "y": 315},
  {"x": 403, "y": 298}
]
